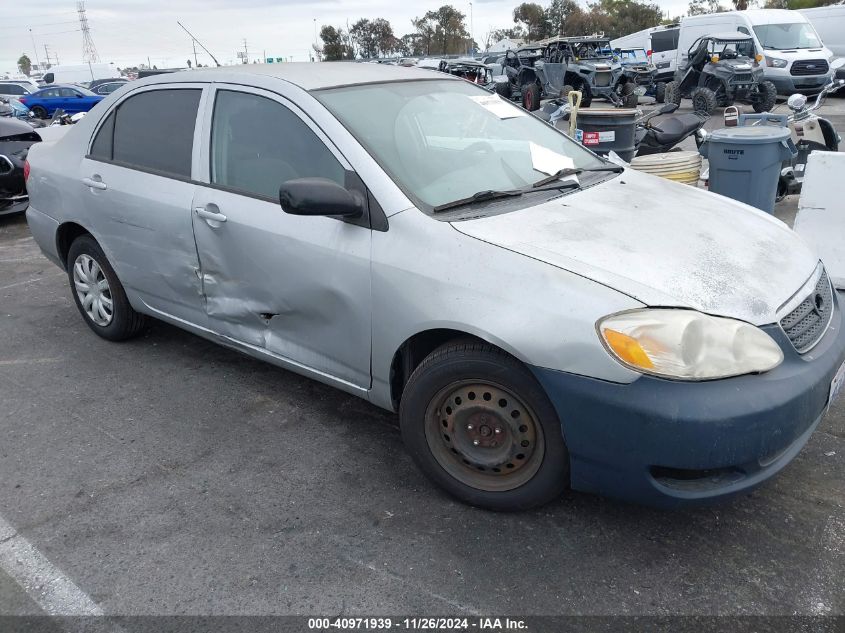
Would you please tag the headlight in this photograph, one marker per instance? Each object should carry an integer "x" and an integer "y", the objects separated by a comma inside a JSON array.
[
  {"x": 776, "y": 62},
  {"x": 687, "y": 345}
]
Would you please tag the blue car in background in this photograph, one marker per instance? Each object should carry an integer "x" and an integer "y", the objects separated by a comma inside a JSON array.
[{"x": 71, "y": 99}]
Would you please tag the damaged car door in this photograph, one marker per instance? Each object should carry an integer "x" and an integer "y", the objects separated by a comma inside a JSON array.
[{"x": 297, "y": 287}]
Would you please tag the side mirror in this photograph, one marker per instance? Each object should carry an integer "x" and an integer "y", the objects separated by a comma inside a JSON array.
[
  {"x": 836, "y": 64},
  {"x": 666, "y": 108},
  {"x": 79, "y": 96},
  {"x": 318, "y": 196}
]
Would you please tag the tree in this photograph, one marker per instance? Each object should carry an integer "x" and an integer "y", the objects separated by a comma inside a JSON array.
[
  {"x": 557, "y": 13},
  {"x": 516, "y": 33},
  {"x": 25, "y": 64},
  {"x": 364, "y": 38},
  {"x": 700, "y": 7},
  {"x": 336, "y": 44},
  {"x": 533, "y": 17},
  {"x": 424, "y": 35},
  {"x": 627, "y": 16},
  {"x": 440, "y": 32}
]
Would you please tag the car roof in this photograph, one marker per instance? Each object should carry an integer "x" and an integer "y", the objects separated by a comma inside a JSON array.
[
  {"x": 306, "y": 75},
  {"x": 730, "y": 36}
]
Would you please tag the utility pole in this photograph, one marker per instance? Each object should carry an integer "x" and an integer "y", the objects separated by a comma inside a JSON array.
[
  {"x": 35, "y": 48},
  {"x": 47, "y": 53},
  {"x": 471, "y": 30},
  {"x": 195, "y": 52},
  {"x": 246, "y": 53}
]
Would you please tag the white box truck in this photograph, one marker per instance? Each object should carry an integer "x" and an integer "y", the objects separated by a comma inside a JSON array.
[
  {"x": 79, "y": 73},
  {"x": 795, "y": 59}
]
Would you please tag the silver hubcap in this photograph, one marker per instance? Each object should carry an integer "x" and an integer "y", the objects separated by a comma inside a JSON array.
[{"x": 93, "y": 290}]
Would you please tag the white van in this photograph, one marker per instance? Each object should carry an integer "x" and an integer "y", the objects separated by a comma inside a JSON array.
[
  {"x": 795, "y": 59},
  {"x": 80, "y": 73},
  {"x": 660, "y": 43},
  {"x": 829, "y": 23}
]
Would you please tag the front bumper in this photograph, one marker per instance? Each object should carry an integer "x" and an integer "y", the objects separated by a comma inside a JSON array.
[
  {"x": 669, "y": 443},
  {"x": 788, "y": 85}
]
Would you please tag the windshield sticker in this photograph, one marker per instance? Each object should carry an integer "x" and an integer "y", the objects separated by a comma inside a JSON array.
[
  {"x": 498, "y": 106},
  {"x": 548, "y": 161}
]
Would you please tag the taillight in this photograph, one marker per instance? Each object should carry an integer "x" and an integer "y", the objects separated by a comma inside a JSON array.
[
  {"x": 26, "y": 170},
  {"x": 22, "y": 99},
  {"x": 648, "y": 53}
]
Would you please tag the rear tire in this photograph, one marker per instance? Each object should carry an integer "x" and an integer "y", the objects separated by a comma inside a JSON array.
[
  {"x": 630, "y": 99},
  {"x": 39, "y": 112},
  {"x": 480, "y": 426},
  {"x": 704, "y": 100},
  {"x": 503, "y": 89},
  {"x": 672, "y": 93},
  {"x": 660, "y": 92},
  {"x": 531, "y": 97},
  {"x": 767, "y": 95},
  {"x": 98, "y": 293},
  {"x": 586, "y": 96}
]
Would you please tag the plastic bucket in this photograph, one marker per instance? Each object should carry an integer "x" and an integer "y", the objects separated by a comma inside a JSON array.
[
  {"x": 745, "y": 162},
  {"x": 683, "y": 167},
  {"x": 607, "y": 130}
]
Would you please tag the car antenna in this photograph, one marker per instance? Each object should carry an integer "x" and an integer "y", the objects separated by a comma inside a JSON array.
[{"x": 198, "y": 42}]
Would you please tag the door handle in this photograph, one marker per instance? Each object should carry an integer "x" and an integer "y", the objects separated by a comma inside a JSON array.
[
  {"x": 95, "y": 183},
  {"x": 207, "y": 213}
]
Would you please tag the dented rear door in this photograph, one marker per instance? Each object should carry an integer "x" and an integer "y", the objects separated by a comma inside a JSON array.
[{"x": 298, "y": 287}]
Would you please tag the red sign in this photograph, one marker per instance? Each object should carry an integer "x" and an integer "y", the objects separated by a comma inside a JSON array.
[{"x": 591, "y": 138}]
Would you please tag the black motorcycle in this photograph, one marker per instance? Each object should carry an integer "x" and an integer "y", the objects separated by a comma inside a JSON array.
[{"x": 650, "y": 137}]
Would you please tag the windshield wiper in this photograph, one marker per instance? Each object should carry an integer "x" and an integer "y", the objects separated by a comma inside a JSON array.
[
  {"x": 569, "y": 171},
  {"x": 479, "y": 196}
]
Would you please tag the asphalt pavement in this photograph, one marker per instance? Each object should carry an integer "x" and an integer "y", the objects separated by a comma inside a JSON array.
[{"x": 168, "y": 475}]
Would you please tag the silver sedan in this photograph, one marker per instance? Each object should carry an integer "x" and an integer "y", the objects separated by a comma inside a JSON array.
[{"x": 539, "y": 317}]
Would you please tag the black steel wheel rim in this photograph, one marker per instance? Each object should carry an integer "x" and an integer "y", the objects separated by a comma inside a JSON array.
[{"x": 484, "y": 436}]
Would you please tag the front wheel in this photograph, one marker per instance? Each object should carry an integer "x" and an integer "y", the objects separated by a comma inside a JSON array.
[
  {"x": 98, "y": 293},
  {"x": 672, "y": 93},
  {"x": 660, "y": 92},
  {"x": 767, "y": 95},
  {"x": 39, "y": 112},
  {"x": 704, "y": 100},
  {"x": 479, "y": 425},
  {"x": 503, "y": 89}
]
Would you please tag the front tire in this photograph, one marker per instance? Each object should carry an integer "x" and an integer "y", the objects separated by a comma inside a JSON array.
[
  {"x": 98, "y": 293},
  {"x": 767, "y": 96},
  {"x": 672, "y": 93},
  {"x": 704, "y": 100},
  {"x": 660, "y": 92},
  {"x": 478, "y": 424},
  {"x": 503, "y": 89},
  {"x": 39, "y": 112}
]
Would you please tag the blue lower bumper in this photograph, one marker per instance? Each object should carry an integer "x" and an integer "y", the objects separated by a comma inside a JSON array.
[{"x": 668, "y": 443}]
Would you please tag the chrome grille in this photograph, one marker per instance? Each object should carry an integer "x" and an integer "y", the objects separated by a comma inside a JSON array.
[
  {"x": 806, "y": 324},
  {"x": 809, "y": 67}
]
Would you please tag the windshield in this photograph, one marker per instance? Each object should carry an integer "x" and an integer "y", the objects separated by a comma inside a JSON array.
[
  {"x": 442, "y": 141},
  {"x": 786, "y": 36},
  {"x": 635, "y": 55}
]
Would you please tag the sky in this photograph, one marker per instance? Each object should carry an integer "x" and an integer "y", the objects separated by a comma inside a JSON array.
[{"x": 127, "y": 32}]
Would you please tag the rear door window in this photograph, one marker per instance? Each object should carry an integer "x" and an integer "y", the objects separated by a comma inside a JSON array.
[{"x": 152, "y": 131}]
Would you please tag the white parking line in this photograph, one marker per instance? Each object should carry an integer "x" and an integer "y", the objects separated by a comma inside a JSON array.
[{"x": 54, "y": 592}]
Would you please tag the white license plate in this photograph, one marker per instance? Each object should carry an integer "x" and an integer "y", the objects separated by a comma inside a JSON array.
[{"x": 836, "y": 384}]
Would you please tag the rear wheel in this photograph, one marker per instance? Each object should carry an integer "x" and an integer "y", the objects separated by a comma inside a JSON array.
[
  {"x": 660, "y": 92},
  {"x": 629, "y": 95},
  {"x": 586, "y": 95},
  {"x": 704, "y": 100},
  {"x": 672, "y": 93},
  {"x": 98, "y": 293},
  {"x": 39, "y": 111},
  {"x": 767, "y": 95},
  {"x": 531, "y": 97},
  {"x": 478, "y": 424},
  {"x": 503, "y": 89}
]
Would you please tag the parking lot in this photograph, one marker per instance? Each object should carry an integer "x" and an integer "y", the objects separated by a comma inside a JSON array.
[{"x": 168, "y": 475}]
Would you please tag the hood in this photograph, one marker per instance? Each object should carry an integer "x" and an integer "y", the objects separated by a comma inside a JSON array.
[{"x": 662, "y": 243}]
